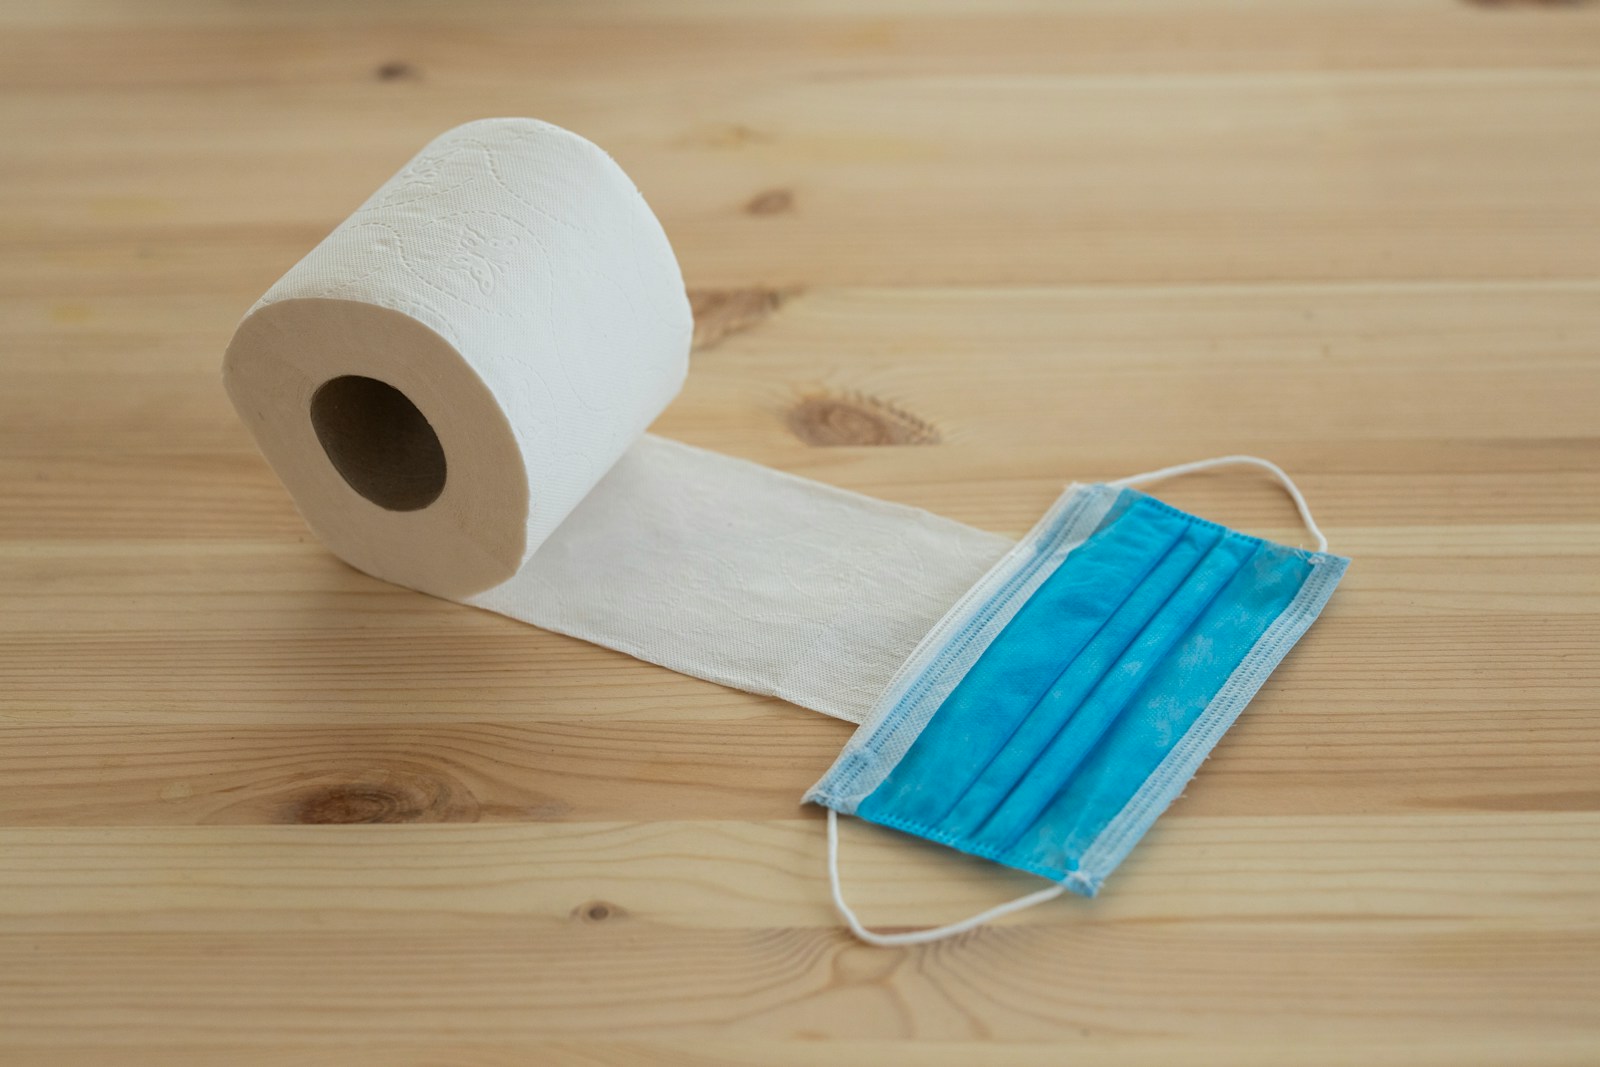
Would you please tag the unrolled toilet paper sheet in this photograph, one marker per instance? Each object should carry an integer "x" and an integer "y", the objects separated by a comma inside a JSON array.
[{"x": 747, "y": 576}]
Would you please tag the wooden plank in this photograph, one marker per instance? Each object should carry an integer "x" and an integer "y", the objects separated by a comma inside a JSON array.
[
  {"x": 239, "y": 935},
  {"x": 520, "y": 45},
  {"x": 1137, "y": 1050},
  {"x": 1422, "y": 867},
  {"x": 518, "y": 981},
  {"x": 1114, "y": 179},
  {"x": 1453, "y": 737}
]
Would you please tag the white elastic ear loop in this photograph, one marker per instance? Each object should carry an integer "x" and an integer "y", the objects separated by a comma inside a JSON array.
[
  {"x": 1221, "y": 461},
  {"x": 918, "y": 937}
]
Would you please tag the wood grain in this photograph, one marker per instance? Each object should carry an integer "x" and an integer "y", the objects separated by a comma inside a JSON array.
[{"x": 256, "y": 808}]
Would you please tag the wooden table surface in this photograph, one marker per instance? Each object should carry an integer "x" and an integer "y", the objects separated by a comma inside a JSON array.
[{"x": 258, "y": 808}]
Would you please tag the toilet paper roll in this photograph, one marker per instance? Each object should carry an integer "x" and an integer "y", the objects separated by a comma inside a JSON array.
[{"x": 454, "y": 386}]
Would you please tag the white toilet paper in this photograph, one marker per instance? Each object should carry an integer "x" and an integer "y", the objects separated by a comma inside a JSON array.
[{"x": 454, "y": 387}]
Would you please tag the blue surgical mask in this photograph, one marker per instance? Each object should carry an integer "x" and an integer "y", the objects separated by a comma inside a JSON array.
[{"x": 1059, "y": 708}]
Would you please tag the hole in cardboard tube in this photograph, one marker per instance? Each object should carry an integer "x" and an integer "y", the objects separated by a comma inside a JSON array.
[{"x": 379, "y": 442}]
